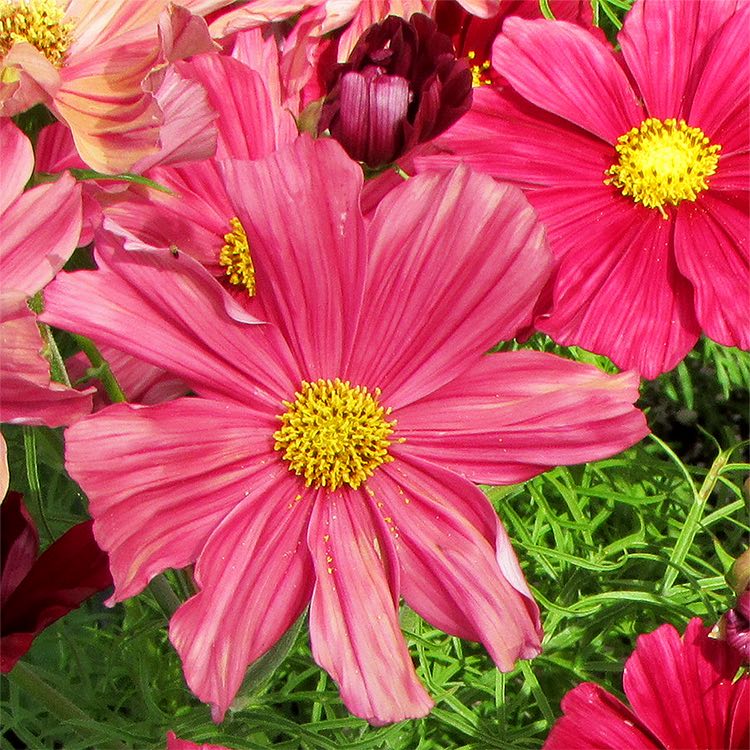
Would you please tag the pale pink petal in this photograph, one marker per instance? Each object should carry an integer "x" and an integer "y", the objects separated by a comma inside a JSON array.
[
  {"x": 481, "y": 8},
  {"x": 40, "y": 231},
  {"x": 354, "y": 629},
  {"x": 260, "y": 54},
  {"x": 300, "y": 209},
  {"x": 114, "y": 122},
  {"x": 505, "y": 136},
  {"x": 37, "y": 80},
  {"x": 711, "y": 251},
  {"x": 189, "y": 131},
  {"x": 251, "y": 126},
  {"x": 28, "y": 395},
  {"x": 721, "y": 99},
  {"x": 4, "y": 472},
  {"x": 458, "y": 570},
  {"x": 459, "y": 271},
  {"x": 518, "y": 413},
  {"x": 617, "y": 289},
  {"x": 595, "y": 720},
  {"x": 682, "y": 689},
  {"x": 160, "y": 479},
  {"x": 18, "y": 164},
  {"x": 144, "y": 303},
  {"x": 183, "y": 34},
  {"x": 586, "y": 85},
  {"x": 255, "y": 578},
  {"x": 662, "y": 42}
]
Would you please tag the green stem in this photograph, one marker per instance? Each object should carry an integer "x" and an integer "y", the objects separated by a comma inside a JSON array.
[
  {"x": 27, "y": 679},
  {"x": 32, "y": 475},
  {"x": 101, "y": 369},
  {"x": 164, "y": 594},
  {"x": 693, "y": 520}
]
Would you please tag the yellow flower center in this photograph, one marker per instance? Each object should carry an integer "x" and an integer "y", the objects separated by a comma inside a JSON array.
[
  {"x": 479, "y": 71},
  {"x": 663, "y": 162},
  {"x": 235, "y": 256},
  {"x": 334, "y": 433},
  {"x": 38, "y": 22}
]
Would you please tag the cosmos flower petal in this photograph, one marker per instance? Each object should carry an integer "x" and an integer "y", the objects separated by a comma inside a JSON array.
[
  {"x": 458, "y": 272},
  {"x": 722, "y": 95},
  {"x": 682, "y": 689},
  {"x": 593, "y": 719},
  {"x": 495, "y": 423},
  {"x": 626, "y": 257},
  {"x": 585, "y": 70},
  {"x": 19, "y": 544},
  {"x": 662, "y": 42},
  {"x": 250, "y": 125},
  {"x": 536, "y": 150},
  {"x": 711, "y": 252},
  {"x": 175, "y": 743},
  {"x": 308, "y": 246},
  {"x": 354, "y": 628},
  {"x": 18, "y": 164},
  {"x": 157, "y": 486},
  {"x": 29, "y": 397},
  {"x": 40, "y": 232},
  {"x": 213, "y": 353},
  {"x": 255, "y": 579},
  {"x": 459, "y": 571}
]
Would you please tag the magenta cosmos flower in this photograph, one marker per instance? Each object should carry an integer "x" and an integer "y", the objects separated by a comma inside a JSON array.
[
  {"x": 330, "y": 456},
  {"x": 637, "y": 163},
  {"x": 683, "y": 696}
]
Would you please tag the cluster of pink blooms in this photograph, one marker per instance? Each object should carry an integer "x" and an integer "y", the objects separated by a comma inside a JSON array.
[{"x": 309, "y": 404}]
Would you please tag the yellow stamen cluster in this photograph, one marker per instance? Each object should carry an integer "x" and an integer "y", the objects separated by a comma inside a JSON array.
[
  {"x": 478, "y": 71},
  {"x": 235, "y": 255},
  {"x": 38, "y": 22},
  {"x": 334, "y": 433},
  {"x": 663, "y": 162}
]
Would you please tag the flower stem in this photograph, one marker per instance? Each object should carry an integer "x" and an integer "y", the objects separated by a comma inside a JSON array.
[
  {"x": 101, "y": 370},
  {"x": 28, "y": 680}
]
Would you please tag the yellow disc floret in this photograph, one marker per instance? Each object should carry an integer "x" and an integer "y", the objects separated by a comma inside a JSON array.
[
  {"x": 334, "y": 433},
  {"x": 663, "y": 162},
  {"x": 235, "y": 255},
  {"x": 479, "y": 71},
  {"x": 38, "y": 22}
]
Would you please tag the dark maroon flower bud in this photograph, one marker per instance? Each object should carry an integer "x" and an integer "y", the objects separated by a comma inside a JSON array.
[
  {"x": 36, "y": 591},
  {"x": 401, "y": 86},
  {"x": 737, "y": 627}
]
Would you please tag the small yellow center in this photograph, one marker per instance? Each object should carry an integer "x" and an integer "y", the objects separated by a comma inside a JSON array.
[
  {"x": 235, "y": 256},
  {"x": 334, "y": 433},
  {"x": 38, "y": 22},
  {"x": 479, "y": 71},
  {"x": 663, "y": 162}
]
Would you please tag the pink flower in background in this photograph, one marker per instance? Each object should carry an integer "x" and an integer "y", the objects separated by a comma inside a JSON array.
[
  {"x": 330, "y": 456},
  {"x": 37, "y": 590},
  {"x": 175, "y": 743},
  {"x": 683, "y": 696},
  {"x": 41, "y": 228},
  {"x": 639, "y": 174},
  {"x": 87, "y": 60}
]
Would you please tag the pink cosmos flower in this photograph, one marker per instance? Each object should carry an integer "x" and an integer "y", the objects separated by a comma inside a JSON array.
[
  {"x": 199, "y": 217},
  {"x": 682, "y": 692},
  {"x": 175, "y": 743},
  {"x": 330, "y": 456},
  {"x": 41, "y": 228},
  {"x": 87, "y": 61},
  {"x": 36, "y": 591},
  {"x": 637, "y": 164}
]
